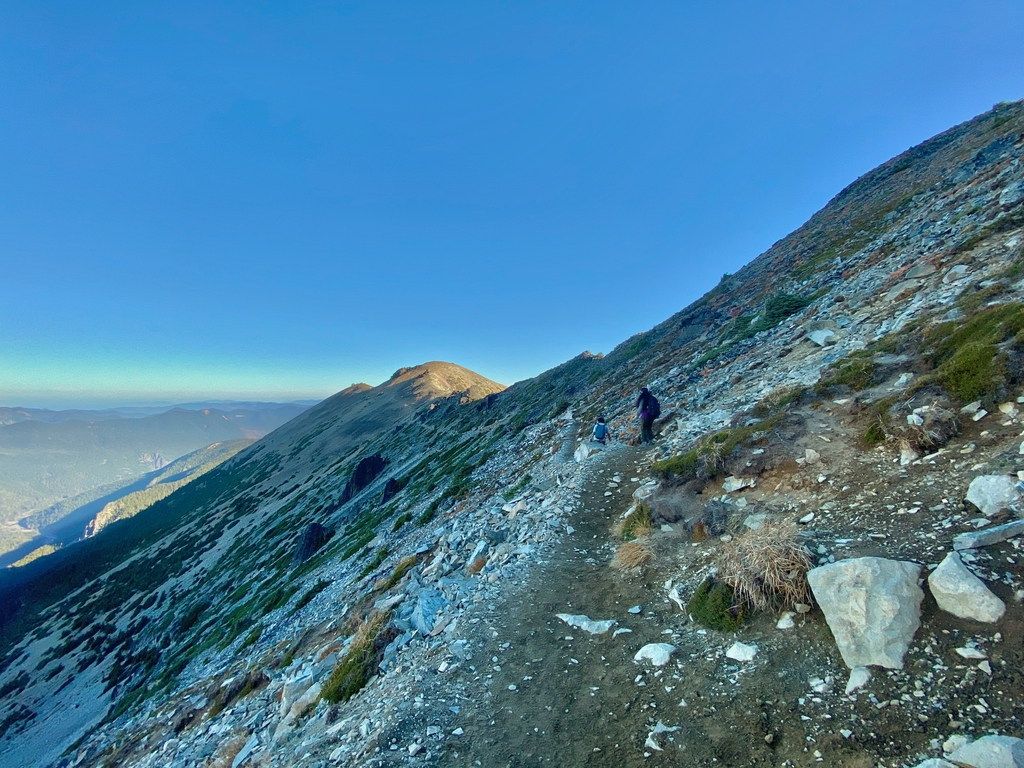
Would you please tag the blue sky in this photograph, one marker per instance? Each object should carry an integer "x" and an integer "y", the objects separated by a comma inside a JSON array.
[{"x": 279, "y": 199}]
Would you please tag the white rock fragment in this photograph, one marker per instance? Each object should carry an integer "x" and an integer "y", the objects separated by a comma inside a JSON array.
[
  {"x": 634, "y": 610},
  {"x": 586, "y": 450},
  {"x": 676, "y": 598},
  {"x": 873, "y": 607},
  {"x": 660, "y": 727},
  {"x": 786, "y": 621},
  {"x": 859, "y": 677},
  {"x": 753, "y": 522},
  {"x": 587, "y": 624},
  {"x": 991, "y": 752},
  {"x": 968, "y": 652},
  {"x": 960, "y": 592},
  {"x": 811, "y": 456},
  {"x": 621, "y": 631},
  {"x": 733, "y": 484},
  {"x": 656, "y": 653},
  {"x": 741, "y": 651},
  {"x": 822, "y": 338},
  {"x": 993, "y": 493},
  {"x": 806, "y": 518},
  {"x": 981, "y": 414}
]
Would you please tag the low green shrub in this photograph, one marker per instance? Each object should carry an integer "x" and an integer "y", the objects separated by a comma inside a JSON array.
[
  {"x": 361, "y": 661},
  {"x": 637, "y": 523},
  {"x": 714, "y": 607}
]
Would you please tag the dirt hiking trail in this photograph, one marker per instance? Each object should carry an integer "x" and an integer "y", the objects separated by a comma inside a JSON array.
[{"x": 552, "y": 694}]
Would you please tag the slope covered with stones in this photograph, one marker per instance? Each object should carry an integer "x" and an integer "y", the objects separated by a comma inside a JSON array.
[{"x": 335, "y": 593}]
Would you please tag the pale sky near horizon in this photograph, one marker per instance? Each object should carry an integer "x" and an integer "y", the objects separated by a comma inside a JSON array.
[{"x": 275, "y": 200}]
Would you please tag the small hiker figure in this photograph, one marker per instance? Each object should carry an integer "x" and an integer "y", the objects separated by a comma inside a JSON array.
[
  {"x": 601, "y": 432},
  {"x": 648, "y": 409}
]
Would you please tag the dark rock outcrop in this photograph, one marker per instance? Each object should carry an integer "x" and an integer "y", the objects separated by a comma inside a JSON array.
[
  {"x": 314, "y": 537},
  {"x": 391, "y": 489},
  {"x": 366, "y": 472}
]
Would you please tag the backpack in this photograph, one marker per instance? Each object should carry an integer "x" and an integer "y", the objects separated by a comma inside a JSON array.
[
  {"x": 600, "y": 431},
  {"x": 653, "y": 408}
]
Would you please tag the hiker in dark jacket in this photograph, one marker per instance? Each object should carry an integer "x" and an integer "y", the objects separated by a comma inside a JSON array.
[
  {"x": 601, "y": 432},
  {"x": 648, "y": 410}
]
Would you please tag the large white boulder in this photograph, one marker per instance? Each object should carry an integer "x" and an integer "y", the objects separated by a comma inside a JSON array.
[
  {"x": 873, "y": 607},
  {"x": 993, "y": 493},
  {"x": 587, "y": 449},
  {"x": 656, "y": 653},
  {"x": 960, "y": 592},
  {"x": 991, "y": 752}
]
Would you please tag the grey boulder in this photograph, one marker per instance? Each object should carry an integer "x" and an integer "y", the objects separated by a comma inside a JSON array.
[
  {"x": 991, "y": 752},
  {"x": 993, "y": 493},
  {"x": 873, "y": 607},
  {"x": 960, "y": 592},
  {"x": 988, "y": 536}
]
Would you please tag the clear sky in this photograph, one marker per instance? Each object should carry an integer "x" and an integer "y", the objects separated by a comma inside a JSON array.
[{"x": 275, "y": 200}]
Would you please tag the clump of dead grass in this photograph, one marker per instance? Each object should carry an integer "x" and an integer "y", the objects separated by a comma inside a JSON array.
[
  {"x": 767, "y": 567},
  {"x": 632, "y": 554},
  {"x": 226, "y": 754}
]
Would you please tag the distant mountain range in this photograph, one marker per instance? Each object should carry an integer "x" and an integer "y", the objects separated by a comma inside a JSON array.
[{"x": 50, "y": 457}]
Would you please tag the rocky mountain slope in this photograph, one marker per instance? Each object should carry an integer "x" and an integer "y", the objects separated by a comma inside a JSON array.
[{"x": 437, "y": 571}]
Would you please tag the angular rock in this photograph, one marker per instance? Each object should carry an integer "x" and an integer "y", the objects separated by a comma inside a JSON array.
[
  {"x": 424, "y": 615},
  {"x": 822, "y": 338},
  {"x": 960, "y": 592},
  {"x": 587, "y": 449},
  {"x": 859, "y": 677},
  {"x": 656, "y": 653},
  {"x": 993, "y": 493},
  {"x": 921, "y": 270},
  {"x": 991, "y": 752},
  {"x": 733, "y": 484},
  {"x": 741, "y": 652},
  {"x": 873, "y": 607},
  {"x": 1012, "y": 194},
  {"x": 587, "y": 624},
  {"x": 989, "y": 536}
]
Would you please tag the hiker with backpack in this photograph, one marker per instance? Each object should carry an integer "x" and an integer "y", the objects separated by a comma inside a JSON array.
[
  {"x": 648, "y": 409},
  {"x": 601, "y": 432}
]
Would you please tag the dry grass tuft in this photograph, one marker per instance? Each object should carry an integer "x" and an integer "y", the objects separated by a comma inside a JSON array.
[
  {"x": 767, "y": 567},
  {"x": 632, "y": 554},
  {"x": 700, "y": 531},
  {"x": 226, "y": 754}
]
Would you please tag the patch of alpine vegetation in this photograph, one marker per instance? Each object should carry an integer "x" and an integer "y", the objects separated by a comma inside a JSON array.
[{"x": 379, "y": 580}]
